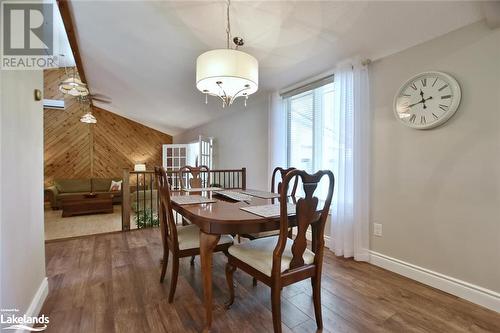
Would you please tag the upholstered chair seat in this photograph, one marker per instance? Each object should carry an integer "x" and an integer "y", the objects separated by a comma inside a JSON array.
[
  {"x": 262, "y": 234},
  {"x": 259, "y": 254},
  {"x": 189, "y": 237}
]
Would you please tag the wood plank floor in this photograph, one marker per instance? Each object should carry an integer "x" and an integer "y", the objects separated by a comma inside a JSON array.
[{"x": 110, "y": 283}]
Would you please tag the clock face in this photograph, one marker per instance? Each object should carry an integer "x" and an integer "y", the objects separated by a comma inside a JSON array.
[{"x": 427, "y": 100}]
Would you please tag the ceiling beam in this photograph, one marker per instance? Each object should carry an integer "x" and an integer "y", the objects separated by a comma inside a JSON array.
[{"x": 70, "y": 32}]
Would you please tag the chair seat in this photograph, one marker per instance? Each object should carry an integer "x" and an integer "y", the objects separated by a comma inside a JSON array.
[
  {"x": 264, "y": 234},
  {"x": 259, "y": 254},
  {"x": 189, "y": 237}
]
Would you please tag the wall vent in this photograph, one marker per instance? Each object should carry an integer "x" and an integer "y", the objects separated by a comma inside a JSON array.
[{"x": 57, "y": 104}]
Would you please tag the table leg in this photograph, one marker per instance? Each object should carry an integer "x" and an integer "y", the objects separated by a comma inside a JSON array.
[{"x": 207, "y": 245}]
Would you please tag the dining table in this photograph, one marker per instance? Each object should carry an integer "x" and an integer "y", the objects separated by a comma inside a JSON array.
[{"x": 221, "y": 217}]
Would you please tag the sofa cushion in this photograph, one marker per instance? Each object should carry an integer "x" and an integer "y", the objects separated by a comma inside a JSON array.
[
  {"x": 102, "y": 184},
  {"x": 72, "y": 185},
  {"x": 71, "y": 194}
]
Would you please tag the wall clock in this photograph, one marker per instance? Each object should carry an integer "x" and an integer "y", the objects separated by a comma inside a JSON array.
[{"x": 427, "y": 100}]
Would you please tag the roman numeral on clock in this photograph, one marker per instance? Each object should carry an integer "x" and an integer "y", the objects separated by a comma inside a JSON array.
[
  {"x": 424, "y": 82},
  {"x": 433, "y": 83},
  {"x": 434, "y": 115},
  {"x": 445, "y": 96},
  {"x": 443, "y": 107},
  {"x": 422, "y": 120},
  {"x": 443, "y": 87},
  {"x": 412, "y": 118},
  {"x": 413, "y": 86}
]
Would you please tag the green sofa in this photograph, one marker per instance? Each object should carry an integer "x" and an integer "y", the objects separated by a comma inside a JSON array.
[{"x": 64, "y": 188}]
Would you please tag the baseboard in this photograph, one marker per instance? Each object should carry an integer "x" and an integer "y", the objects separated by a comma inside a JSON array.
[
  {"x": 475, "y": 294},
  {"x": 37, "y": 301},
  {"x": 328, "y": 239}
]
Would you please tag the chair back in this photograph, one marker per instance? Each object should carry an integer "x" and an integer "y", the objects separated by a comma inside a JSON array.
[
  {"x": 282, "y": 172},
  {"x": 197, "y": 180},
  {"x": 168, "y": 228},
  {"x": 307, "y": 214}
]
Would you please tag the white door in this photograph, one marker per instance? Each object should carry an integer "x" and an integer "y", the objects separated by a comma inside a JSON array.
[
  {"x": 205, "y": 151},
  {"x": 175, "y": 156}
]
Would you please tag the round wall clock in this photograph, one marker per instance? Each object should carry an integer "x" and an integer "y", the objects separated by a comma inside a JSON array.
[{"x": 427, "y": 100}]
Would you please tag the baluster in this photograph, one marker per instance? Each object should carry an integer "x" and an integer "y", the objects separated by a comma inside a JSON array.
[
  {"x": 144, "y": 199},
  {"x": 137, "y": 202},
  {"x": 126, "y": 200},
  {"x": 151, "y": 196}
]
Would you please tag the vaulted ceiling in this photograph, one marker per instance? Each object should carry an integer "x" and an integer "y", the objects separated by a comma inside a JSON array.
[{"x": 142, "y": 54}]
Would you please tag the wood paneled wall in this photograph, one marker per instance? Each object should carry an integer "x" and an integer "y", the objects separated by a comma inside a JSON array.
[{"x": 77, "y": 150}]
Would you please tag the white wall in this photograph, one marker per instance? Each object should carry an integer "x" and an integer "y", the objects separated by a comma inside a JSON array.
[
  {"x": 1, "y": 201},
  {"x": 241, "y": 139},
  {"x": 22, "y": 249},
  {"x": 437, "y": 192}
]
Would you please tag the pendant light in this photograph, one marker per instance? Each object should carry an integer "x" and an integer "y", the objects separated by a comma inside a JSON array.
[
  {"x": 73, "y": 86},
  {"x": 88, "y": 117},
  {"x": 227, "y": 73}
]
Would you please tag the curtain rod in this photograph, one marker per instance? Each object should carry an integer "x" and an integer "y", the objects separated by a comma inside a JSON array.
[
  {"x": 314, "y": 80},
  {"x": 308, "y": 86}
]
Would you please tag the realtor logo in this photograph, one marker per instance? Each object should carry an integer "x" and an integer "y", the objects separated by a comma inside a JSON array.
[
  {"x": 12, "y": 320},
  {"x": 27, "y": 35}
]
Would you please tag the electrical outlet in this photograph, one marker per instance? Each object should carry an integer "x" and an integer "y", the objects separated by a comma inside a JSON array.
[{"x": 377, "y": 229}]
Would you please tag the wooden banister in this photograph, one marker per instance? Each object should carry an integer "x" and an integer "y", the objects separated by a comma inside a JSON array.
[{"x": 225, "y": 178}]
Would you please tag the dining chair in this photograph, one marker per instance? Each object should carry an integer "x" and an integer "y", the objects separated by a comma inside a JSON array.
[
  {"x": 282, "y": 172},
  {"x": 279, "y": 261},
  {"x": 275, "y": 188},
  {"x": 182, "y": 241},
  {"x": 196, "y": 173},
  {"x": 195, "y": 181}
]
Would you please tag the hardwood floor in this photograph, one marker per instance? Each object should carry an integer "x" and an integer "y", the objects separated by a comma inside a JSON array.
[{"x": 110, "y": 283}]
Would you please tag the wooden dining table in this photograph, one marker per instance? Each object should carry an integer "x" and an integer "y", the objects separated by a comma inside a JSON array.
[{"x": 219, "y": 218}]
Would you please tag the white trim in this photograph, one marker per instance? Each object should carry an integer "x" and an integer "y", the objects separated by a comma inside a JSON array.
[
  {"x": 473, "y": 293},
  {"x": 37, "y": 301},
  {"x": 363, "y": 254}
]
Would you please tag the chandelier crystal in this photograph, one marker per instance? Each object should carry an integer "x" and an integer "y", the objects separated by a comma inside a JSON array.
[{"x": 227, "y": 73}]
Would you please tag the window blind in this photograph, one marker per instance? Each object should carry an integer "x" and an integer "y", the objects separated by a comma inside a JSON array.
[
  {"x": 312, "y": 141},
  {"x": 301, "y": 131}
]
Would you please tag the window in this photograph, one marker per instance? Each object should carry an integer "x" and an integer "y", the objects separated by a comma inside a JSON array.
[
  {"x": 311, "y": 139},
  {"x": 311, "y": 136}
]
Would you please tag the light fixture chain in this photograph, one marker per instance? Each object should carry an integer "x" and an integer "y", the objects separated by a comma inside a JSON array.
[{"x": 228, "y": 27}]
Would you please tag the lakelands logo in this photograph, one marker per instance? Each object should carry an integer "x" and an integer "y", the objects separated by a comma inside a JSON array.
[
  {"x": 10, "y": 320},
  {"x": 27, "y": 35}
]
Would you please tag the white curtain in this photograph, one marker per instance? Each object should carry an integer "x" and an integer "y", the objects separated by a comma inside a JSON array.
[
  {"x": 350, "y": 211},
  {"x": 277, "y": 134}
]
